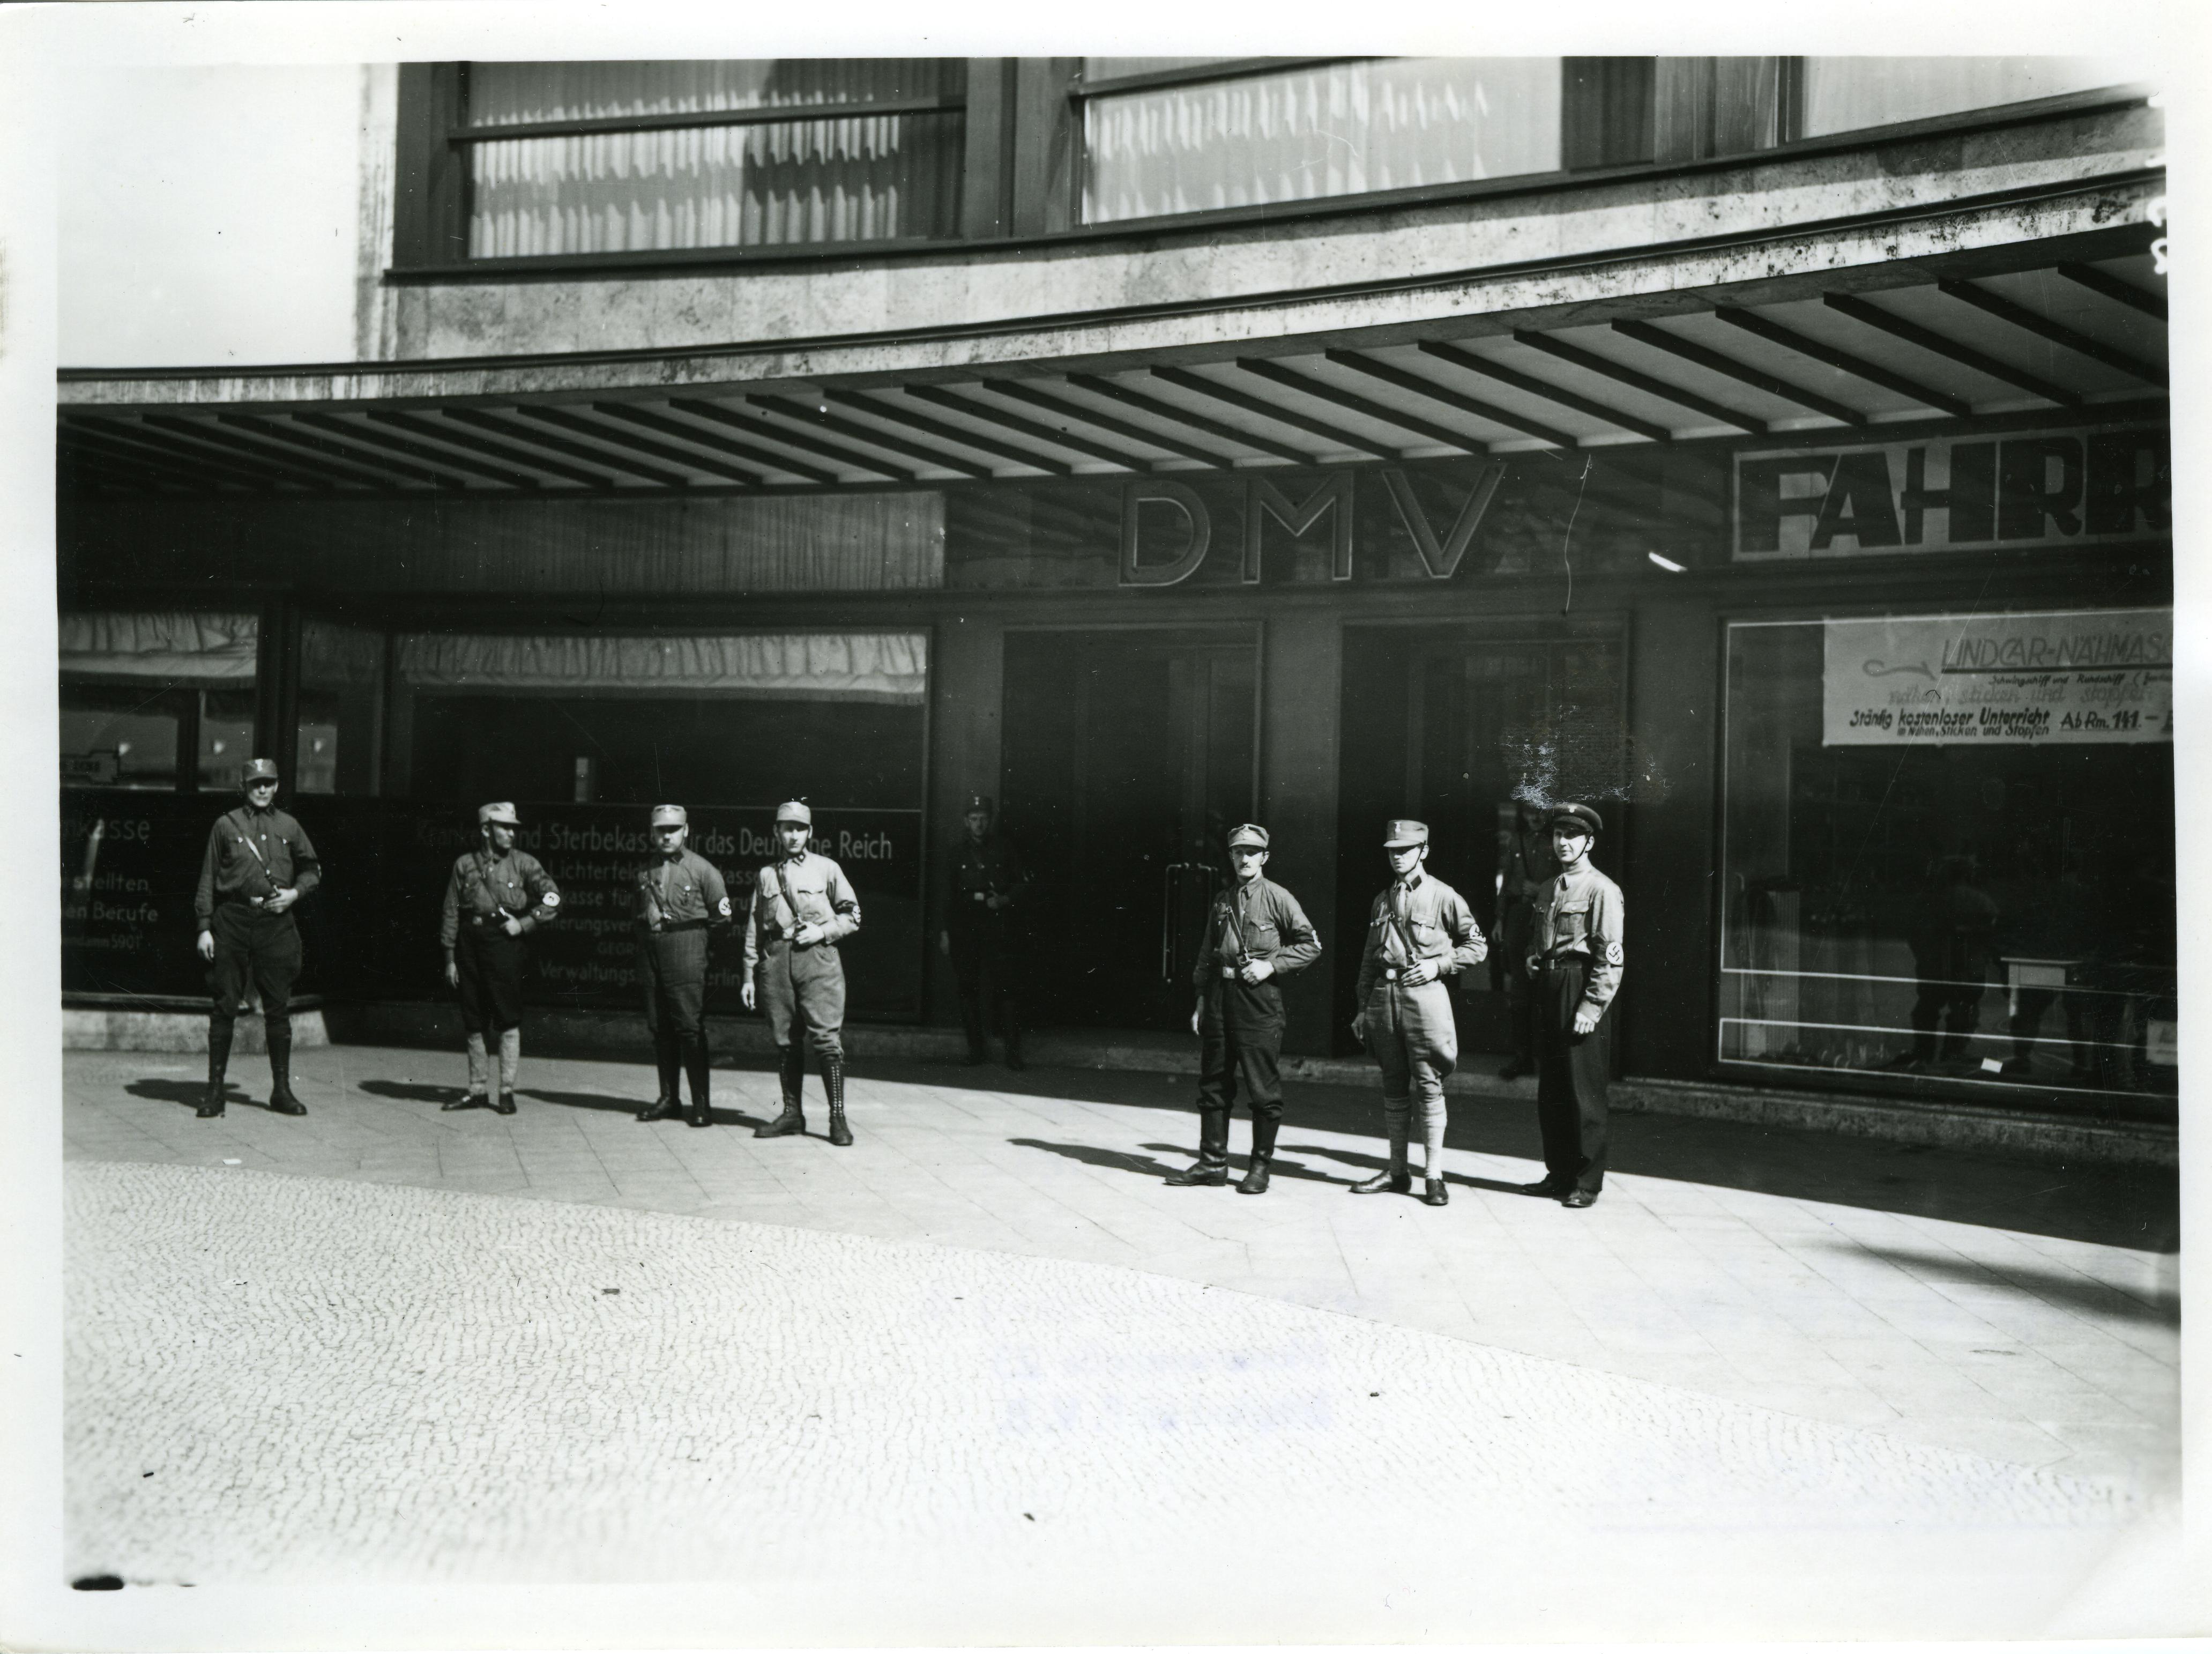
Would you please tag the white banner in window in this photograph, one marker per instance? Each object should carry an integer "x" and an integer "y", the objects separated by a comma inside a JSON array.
[{"x": 2022, "y": 680}]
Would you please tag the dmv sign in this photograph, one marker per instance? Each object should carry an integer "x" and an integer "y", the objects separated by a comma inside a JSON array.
[{"x": 2011, "y": 489}]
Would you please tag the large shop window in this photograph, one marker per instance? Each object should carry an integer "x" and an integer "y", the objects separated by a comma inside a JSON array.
[
  {"x": 1201, "y": 143},
  {"x": 1842, "y": 94},
  {"x": 341, "y": 708},
  {"x": 609, "y": 157},
  {"x": 729, "y": 720},
  {"x": 1949, "y": 852},
  {"x": 156, "y": 700}
]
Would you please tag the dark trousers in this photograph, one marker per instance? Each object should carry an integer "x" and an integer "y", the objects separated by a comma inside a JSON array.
[
  {"x": 671, "y": 965},
  {"x": 804, "y": 988},
  {"x": 983, "y": 961},
  {"x": 261, "y": 948},
  {"x": 1571, "y": 1070},
  {"x": 489, "y": 964},
  {"x": 1240, "y": 1047}
]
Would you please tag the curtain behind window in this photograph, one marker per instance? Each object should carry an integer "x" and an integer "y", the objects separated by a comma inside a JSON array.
[
  {"x": 855, "y": 178},
  {"x": 1336, "y": 129}
]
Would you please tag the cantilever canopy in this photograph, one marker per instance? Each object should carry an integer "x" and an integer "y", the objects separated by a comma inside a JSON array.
[{"x": 2062, "y": 329}]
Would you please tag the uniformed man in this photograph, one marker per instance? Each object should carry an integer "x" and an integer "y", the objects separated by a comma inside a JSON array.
[
  {"x": 1574, "y": 966},
  {"x": 1420, "y": 930},
  {"x": 1527, "y": 862},
  {"x": 1255, "y": 934},
  {"x": 802, "y": 908},
  {"x": 978, "y": 936},
  {"x": 497, "y": 895},
  {"x": 681, "y": 902},
  {"x": 258, "y": 864}
]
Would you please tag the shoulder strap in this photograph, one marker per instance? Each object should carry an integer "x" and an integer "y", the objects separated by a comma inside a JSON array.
[{"x": 788, "y": 923}]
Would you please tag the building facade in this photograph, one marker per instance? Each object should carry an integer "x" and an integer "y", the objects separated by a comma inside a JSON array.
[{"x": 1772, "y": 451}]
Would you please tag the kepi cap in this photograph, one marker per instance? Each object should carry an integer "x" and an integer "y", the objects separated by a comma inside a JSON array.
[
  {"x": 257, "y": 769},
  {"x": 794, "y": 810},
  {"x": 670, "y": 815},
  {"x": 502, "y": 814},
  {"x": 1576, "y": 818},
  {"x": 1250, "y": 833},
  {"x": 1397, "y": 834},
  {"x": 977, "y": 802}
]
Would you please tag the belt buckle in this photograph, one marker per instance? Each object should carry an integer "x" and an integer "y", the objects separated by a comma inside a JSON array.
[
  {"x": 1228, "y": 972},
  {"x": 1389, "y": 973},
  {"x": 975, "y": 896}
]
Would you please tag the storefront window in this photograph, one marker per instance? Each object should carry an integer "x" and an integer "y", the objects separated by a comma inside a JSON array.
[
  {"x": 341, "y": 708},
  {"x": 1321, "y": 129},
  {"x": 144, "y": 696},
  {"x": 1842, "y": 94},
  {"x": 1949, "y": 853}
]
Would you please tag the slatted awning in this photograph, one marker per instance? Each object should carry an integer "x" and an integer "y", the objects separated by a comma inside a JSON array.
[{"x": 2063, "y": 334}]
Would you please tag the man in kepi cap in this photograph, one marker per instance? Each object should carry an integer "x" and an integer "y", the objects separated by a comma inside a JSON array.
[
  {"x": 1255, "y": 934},
  {"x": 978, "y": 936},
  {"x": 1574, "y": 962},
  {"x": 802, "y": 908},
  {"x": 681, "y": 902},
  {"x": 1420, "y": 930},
  {"x": 496, "y": 896},
  {"x": 258, "y": 864}
]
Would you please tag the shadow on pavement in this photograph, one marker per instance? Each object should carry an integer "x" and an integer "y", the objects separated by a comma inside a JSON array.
[
  {"x": 2052, "y": 1286},
  {"x": 1367, "y": 1163},
  {"x": 188, "y": 1092},
  {"x": 2133, "y": 1207},
  {"x": 1106, "y": 1159},
  {"x": 411, "y": 1091},
  {"x": 606, "y": 1102}
]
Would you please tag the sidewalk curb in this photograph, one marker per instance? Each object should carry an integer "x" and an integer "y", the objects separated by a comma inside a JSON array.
[{"x": 2014, "y": 1134}]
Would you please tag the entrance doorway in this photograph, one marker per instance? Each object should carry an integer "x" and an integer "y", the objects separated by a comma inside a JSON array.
[
  {"x": 1128, "y": 755},
  {"x": 1459, "y": 731}
]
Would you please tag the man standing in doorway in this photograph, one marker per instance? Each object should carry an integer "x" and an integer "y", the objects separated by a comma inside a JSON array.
[
  {"x": 802, "y": 908},
  {"x": 1526, "y": 864},
  {"x": 979, "y": 932},
  {"x": 681, "y": 902},
  {"x": 1255, "y": 934},
  {"x": 258, "y": 864},
  {"x": 1420, "y": 930},
  {"x": 496, "y": 896},
  {"x": 1574, "y": 966}
]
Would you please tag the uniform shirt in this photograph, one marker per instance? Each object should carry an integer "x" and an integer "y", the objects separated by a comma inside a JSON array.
[
  {"x": 250, "y": 855},
  {"x": 1265, "y": 920},
  {"x": 487, "y": 886},
  {"x": 803, "y": 889},
  {"x": 1437, "y": 919},
  {"x": 683, "y": 889},
  {"x": 980, "y": 871},
  {"x": 1579, "y": 911}
]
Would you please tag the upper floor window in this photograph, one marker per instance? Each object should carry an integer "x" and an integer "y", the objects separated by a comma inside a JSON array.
[
  {"x": 617, "y": 157},
  {"x": 1173, "y": 135}
]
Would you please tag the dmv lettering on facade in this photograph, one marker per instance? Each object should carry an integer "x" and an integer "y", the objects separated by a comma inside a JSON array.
[{"x": 2032, "y": 488}]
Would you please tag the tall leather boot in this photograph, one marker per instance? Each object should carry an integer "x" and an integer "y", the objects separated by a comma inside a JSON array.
[
  {"x": 1255, "y": 1181},
  {"x": 219, "y": 1032},
  {"x": 510, "y": 1067},
  {"x": 1211, "y": 1169},
  {"x": 281, "y": 1100},
  {"x": 695, "y": 1068},
  {"x": 791, "y": 1072},
  {"x": 669, "y": 1104},
  {"x": 833, "y": 1081}
]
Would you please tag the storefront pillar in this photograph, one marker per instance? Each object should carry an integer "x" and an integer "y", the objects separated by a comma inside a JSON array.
[
  {"x": 1668, "y": 866},
  {"x": 967, "y": 689},
  {"x": 1302, "y": 663}
]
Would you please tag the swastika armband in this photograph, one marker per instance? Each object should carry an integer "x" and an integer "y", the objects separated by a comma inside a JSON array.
[{"x": 1613, "y": 953}]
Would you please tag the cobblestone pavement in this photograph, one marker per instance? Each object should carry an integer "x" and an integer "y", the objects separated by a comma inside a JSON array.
[{"x": 988, "y": 1331}]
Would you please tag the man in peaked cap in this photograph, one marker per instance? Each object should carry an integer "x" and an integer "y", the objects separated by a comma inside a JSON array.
[
  {"x": 802, "y": 907},
  {"x": 978, "y": 935},
  {"x": 496, "y": 896},
  {"x": 1255, "y": 934},
  {"x": 1574, "y": 962},
  {"x": 681, "y": 902},
  {"x": 1420, "y": 930},
  {"x": 258, "y": 864}
]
